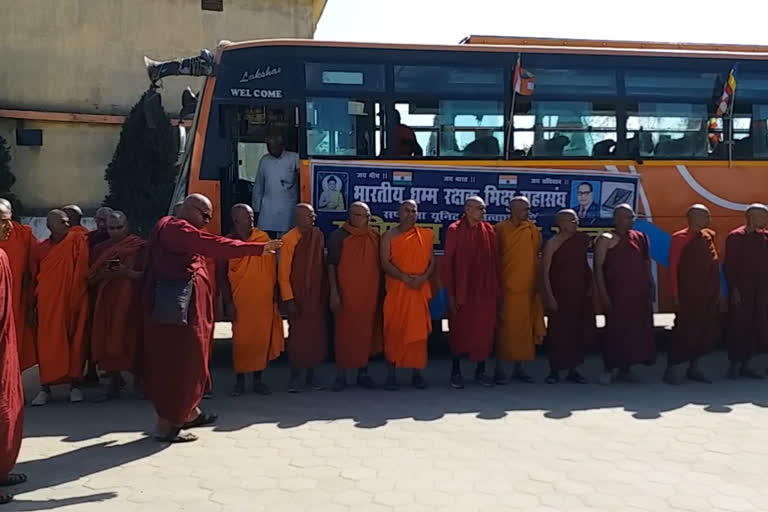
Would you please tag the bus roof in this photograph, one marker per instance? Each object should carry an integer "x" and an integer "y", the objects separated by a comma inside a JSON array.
[{"x": 535, "y": 45}]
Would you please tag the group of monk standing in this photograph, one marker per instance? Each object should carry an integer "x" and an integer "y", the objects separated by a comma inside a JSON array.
[{"x": 81, "y": 296}]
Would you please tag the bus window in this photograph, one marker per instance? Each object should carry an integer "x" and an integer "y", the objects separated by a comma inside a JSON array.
[
  {"x": 344, "y": 76},
  {"x": 456, "y": 128},
  {"x": 668, "y": 130},
  {"x": 444, "y": 80},
  {"x": 671, "y": 84},
  {"x": 759, "y": 131},
  {"x": 341, "y": 127},
  {"x": 547, "y": 129},
  {"x": 570, "y": 82}
]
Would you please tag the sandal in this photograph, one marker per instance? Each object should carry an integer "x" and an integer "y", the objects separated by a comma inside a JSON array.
[
  {"x": 5, "y": 498},
  {"x": 202, "y": 420},
  {"x": 176, "y": 436},
  {"x": 553, "y": 378},
  {"x": 13, "y": 479}
]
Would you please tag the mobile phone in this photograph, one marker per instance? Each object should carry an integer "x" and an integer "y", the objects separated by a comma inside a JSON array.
[{"x": 113, "y": 264}]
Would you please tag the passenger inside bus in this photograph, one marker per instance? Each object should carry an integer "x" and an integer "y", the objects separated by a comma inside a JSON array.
[
  {"x": 405, "y": 139},
  {"x": 276, "y": 189},
  {"x": 485, "y": 144}
]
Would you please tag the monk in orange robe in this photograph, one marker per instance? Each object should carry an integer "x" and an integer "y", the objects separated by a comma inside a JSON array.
[
  {"x": 471, "y": 272},
  {"x": 355, "y": 276},
  {"x": 75, "y": 215},
  {"x": 568, "y": 293},
  {"x": 520, "y": 325},
  {"x": 304, "y": 289},
  {"x": 407, "y": 260},
  {"x": 18, "y": 246},
  {"x": 60, "y": 272},
  {"x": 694, "y": 278},
  {"x": 248, "y": 286},
  {"x": 115, "y": 278},
  {"x": 11, "y": 394}
]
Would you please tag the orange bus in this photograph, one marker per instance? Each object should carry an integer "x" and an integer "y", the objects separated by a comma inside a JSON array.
[{"x": 642, "y": 111}]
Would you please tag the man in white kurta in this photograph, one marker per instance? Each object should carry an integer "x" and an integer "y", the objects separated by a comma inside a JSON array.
[{"x": 276, "y": 189}]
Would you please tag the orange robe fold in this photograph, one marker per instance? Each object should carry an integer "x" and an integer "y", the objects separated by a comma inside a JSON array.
[
  {"x": 11, "y": 393},
  {"x": 257, "y": 332},
  {"x": 19, "y": 248},
  {"x": 116, "y": 333},
  {"x": 61, "y": 272},
  {"x": 358, "y": 325},
  {"x": 520, "y": 324},
  {"x": 407, "y": 322}
]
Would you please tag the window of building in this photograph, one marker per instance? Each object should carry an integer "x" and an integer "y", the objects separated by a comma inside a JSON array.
[
  {"x": 666, "y": 83},
  {"x": 343, "y": 127},
  {"x": 668, "y": 130},
  {"x": 574, "y": 82},
  {"x": 447, "y": 80},
  {"x": 455, "y": 128},
  {"x": 212, "y": 5},
  {"x": 564, "y": 129},
  {"x": 340, "y": 76}
]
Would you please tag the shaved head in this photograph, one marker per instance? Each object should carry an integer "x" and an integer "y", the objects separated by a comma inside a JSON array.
[
  {"x": 6, "y": 202},
  {"x": 197, "y": 210},
  {"x": 58, "y": 223},
  {"x": 566, "y": 214},
  {"x": 240, "y": 208},
  {"x": 757, "y": 216},
  {"x": 408, "y": 213},
  {"x": 698, "y": 216},
  {"x": 101, "y": 216},
  {"x": 74, "y": 212},
  {"x": 757, "y": 207},
  {"x": 117, "y": 225},
  {"x": 567, "y": 220},
  {"x": 698, "y": 207},
  {"x": 474, "y": 210},
  {"x": 177, "y": 209},
  {"x": 623, "y": 218},
  {"x": 304, "y": 216},
  {"x": 242, "y": 219},
  {"x": 519, "y": 209},
  {"x": 359, "y": 214}
]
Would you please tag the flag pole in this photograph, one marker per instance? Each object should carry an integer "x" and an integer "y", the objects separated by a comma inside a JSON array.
[
  {"x": 731, "y": 140},
  {"x": 508, "y": 138}
]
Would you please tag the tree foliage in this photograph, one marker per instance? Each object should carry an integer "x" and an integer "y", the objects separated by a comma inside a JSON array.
[{"x": 7, "y": 178}]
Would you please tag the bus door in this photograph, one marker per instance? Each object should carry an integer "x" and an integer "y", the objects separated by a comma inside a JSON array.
[{"x": 248, "y": 127}]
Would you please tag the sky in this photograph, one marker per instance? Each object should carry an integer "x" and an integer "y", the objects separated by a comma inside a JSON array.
[{"x": 449, "y": 21}]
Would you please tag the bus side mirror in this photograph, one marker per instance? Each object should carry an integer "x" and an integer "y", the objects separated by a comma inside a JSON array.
[{"x": 202, "y": 65}]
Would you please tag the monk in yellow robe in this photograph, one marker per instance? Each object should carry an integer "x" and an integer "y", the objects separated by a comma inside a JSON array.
[
  {"x": 248, "y": 287},
  {"x": 18, "y": 246},
  {"x": 520, "y": 324},
  {"x": 407, "y": 260}
]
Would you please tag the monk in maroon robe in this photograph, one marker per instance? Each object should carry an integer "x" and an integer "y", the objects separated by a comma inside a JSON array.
[
  {"x": 625, "y": 285},
  {"x": 11, "y": 394},
  {"x": 568, "y": 297},
  {"x": 746, "y": 272},
  {"x": 471, "y": 273},
  {"x": 304, "y": 288},
  {"x": 694, "y": 278},
  {"x": 176, "y": 345}
]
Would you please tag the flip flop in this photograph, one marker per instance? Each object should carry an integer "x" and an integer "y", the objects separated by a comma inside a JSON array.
[
  {"x": 13, "y": 479},
  {"x": 202, "y": 420},
  {"x": 175, "y": 436}
]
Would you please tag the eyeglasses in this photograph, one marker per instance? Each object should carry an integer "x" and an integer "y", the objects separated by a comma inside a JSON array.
[{"x": 584, "y": 192}]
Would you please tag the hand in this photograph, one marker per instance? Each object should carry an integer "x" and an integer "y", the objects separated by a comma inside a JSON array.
[
  {"x": 272, "y": 246},
  {"x": 335, "y": 302},
  {"x": 416, "y": 282},
  {"x": 452, "y": 307},
  {"x": 736, "y": 297},
  {"x": 291, "y": 307}
]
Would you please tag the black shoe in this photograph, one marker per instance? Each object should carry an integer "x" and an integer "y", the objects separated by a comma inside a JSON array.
[
  {"x": 365, "y": 382},
  {"x": 418, "y": 382},
  {"x": 261, "y": 389},
  {"x": 553, "y": 378},
  {"x": 457, "y": 381},
  {"x": 391, "y": 384},
  {"x": 339, "y": 384},
  {"x": 313, "y": 385},
  {"x": 484, "y": 380}
]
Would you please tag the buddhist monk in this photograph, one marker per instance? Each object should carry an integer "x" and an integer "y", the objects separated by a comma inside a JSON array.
[
  {"x": 60, "y": 309},
  {"x": 626, "y": 291},
  {"x": 100, "y": 234},
  {"x": 11, "y": 394},
  {"x": 568, "y": 298},
  {"x": 694, "y": 277},
  {"x": 354, "y": 271},
  {"x": 470, "y": 271},
  {"x": 746, "y": 253},
  {"x": 304, "y": 290},
  {"x": 520, "y": 324},
  {"x": 408, "y": 262},
  {"x": 115, "y": 279},
  {"x": 179, "y": 315},
  {"x": 177, "y": 209},
  {"x": 18, "y": 246},
  {"x": 248, "y": 286},
  {"x": 75, "y": 215}
]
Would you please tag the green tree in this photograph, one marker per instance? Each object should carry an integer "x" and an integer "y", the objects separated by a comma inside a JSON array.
[
  {"x": 7, "y": 178},
  {"x": 143, "y": 169}
]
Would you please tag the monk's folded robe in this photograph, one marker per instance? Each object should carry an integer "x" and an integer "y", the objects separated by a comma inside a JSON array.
[
  {"x": 358, "y": 322},
  {"x": 470, "y": 270},
  {"x": 176, "y": 356},
  {"x": 520, "y": 323},
  {"x": 11, "y": 393},
  {"x": 629, "y": 324},
  {"x": 304, "y": 279},
  {"x": 18, "y": 247},
  {"x": 571, "y": 328},
  {"x": 695, "y": 280},
  {"x": 407, "y": 322},
  {"x": 61, "y": 276},
  {"x": 257, "y": 331},
  {"x": 116, "y": 332},
  {"x": 745, "y": 269}
]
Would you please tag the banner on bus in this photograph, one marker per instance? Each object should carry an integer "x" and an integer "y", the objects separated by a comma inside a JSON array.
[{"x": 440, "y": 192}]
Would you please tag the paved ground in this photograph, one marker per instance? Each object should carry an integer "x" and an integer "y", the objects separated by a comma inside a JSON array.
[{"x": 629, "y": 447}]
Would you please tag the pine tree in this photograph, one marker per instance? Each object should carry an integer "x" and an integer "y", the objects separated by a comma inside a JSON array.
[
  {"x": 143, "y": 170},
  {"x": 7, "y": 179}
]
